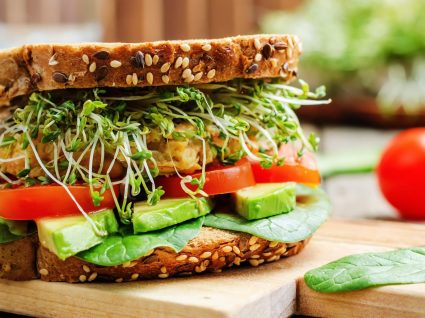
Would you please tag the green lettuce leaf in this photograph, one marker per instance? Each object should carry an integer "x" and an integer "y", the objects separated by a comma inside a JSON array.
[
  {"x": 13, "y": 230},
  {"x": 124, "y": 247},
  {"x": 403, "y": 266},
  {"x": 312, "y": 210}
]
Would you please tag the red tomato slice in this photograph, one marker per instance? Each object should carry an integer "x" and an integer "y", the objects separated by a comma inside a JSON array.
[
  {"x": 36, "y": 202},
  {"x": 296, "y": 169},
  {"x": 219, "y": 179}
]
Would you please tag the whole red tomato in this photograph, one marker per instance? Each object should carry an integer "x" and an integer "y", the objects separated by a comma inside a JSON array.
[{"x": 401, "y": 173}]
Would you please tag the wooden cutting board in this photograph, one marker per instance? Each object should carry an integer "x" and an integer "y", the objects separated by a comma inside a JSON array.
[{"x": 273, "y": 290}]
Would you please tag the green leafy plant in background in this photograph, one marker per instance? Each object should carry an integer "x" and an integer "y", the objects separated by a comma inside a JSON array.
[
  {"x": 362, "y": 47},
  {"x": 403, "y": 266}
]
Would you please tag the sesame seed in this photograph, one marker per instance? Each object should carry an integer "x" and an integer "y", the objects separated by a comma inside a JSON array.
[
  {"x": 274, "y": 62},
  {"x": 267, "y": 254},
  {"x": 134, "y": 276},
  {"x": 253, "y": 240},
  {"x": 205, "y": 255},
  {"x": 222, "y": 259},
  {"x": 237, "y": 261},
  {"x": 134, "y": 79},
  {"x": 85, "y": 59},
  {"x": 44, "y": 272},
  {"x": 214, "y": 256},
  {"x": 260, "y": 261},
  {"x": 283, "y": 74},
  {"x": 199, "y": 269},
  {"x": 82, "y": 278},
  {"x": 236, "y": 250},
  {"x": 258, "y": 57},
  {"x": 165, "y": 79},
  {"x": 185, "y": 62},
  {"x": 186, "y": 73},
  {"x": 272, "y": 259},
  {"x": 255, "y": 256},
  {"x": 227, "y": 249},
  {"x": 126, "y": 264},
  {"x": 273, "y": 244},
  {"x": 163, "y": 275},
  {"x": 254, "y": 262},
  {"x": 206, "y": 263},
  {"x": 86, "y": 269},
  {"x": 280, "y": 250},
  {"x": 163, "y": 269},
  {"x": 181, "y": 257},
  {"x": 197, "y": 68},
  {"x": 193, "y": 259},
  {"x": 71, "y": 77},
  {"x": 179, "y": 62},
  {"x": 254, "y": 247},
  {"x": 148, "y": 59},
  {"x": 52, "y": 60},
  {"x": 149, "y": 78},
  {"x": 92, "y": 67},
  {"x": 185, "y": 47},
  {"x": 211, "y": 74},
  {"x": 165, "y": 67},
  {"x": 119, "y": 280},
  {"x": 92, "y": 277},
  {"x": 129, "y": 79},
  {"x": 257, "y": 44},
  {"x": 7, "y": 267},
  {"x": 115, "y": 63},
  {"x": 101, "y": 55},
  {"x": 60, "y": 77},
  {"x": 198, "y": 76},
  {"x": 206, "y": 47},
  {"x": 155, "y": 59}
]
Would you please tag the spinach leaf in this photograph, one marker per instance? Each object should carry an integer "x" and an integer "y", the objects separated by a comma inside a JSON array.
[
  {"x": 403, "y": 266},
  {"x": 124, "y": 247},
  {"x": 13, "y": 230},
  {"x": 312, "y": 210}
]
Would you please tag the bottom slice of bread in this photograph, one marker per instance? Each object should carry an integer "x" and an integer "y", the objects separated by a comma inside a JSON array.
[
  {"x": 211, "y": 251},
  {"x": 18, "y": 259}
]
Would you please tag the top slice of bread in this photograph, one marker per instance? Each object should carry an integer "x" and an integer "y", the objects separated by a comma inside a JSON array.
[{"x": 43, "y": 67}]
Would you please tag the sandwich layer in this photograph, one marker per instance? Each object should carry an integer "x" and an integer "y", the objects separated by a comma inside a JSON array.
[
  {"x": 42, "y": 67},
  {"x": 211, "y": 251}
]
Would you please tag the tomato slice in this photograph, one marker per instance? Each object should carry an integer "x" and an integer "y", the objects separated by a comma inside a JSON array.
[
  {"x": 40, "y": 201},
  {"x": 219, "y": 179},
  {"x": 296, "y": 169}
]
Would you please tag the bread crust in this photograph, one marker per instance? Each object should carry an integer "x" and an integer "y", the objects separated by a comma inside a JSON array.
[
  {"x": 42, "y": 67},
  {"x": 212, "y": 251},
  {"x": 18, "y": 259}
]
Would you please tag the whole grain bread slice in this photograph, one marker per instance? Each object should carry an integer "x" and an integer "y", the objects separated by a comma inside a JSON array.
[
  {"x": 43, "y": 67},
  {"x": 18, "y": 259},
  {"x": 212, "y": 251}
]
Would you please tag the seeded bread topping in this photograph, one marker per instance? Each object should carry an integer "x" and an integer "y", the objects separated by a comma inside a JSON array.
[{"x": 43, "y": 67}]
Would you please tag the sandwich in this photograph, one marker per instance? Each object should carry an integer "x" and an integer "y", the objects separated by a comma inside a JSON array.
[{"x": 121, "y": 162}]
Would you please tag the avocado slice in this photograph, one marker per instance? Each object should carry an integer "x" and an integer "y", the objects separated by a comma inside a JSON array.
[
  {"x": 69, "y": 235},
  {"x": 265, "y": 199},
  {"x": 167, "y": 212}
]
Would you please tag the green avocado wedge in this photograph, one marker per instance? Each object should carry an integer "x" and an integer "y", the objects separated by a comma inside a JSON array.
[
  {"x": 167, "y": 212},
  {"x": 354, "y": 272},
  {"x": 13, "y": 230},
  {"x": 69, "y": 235},
  {"x": 311, "y": 211},
  {"x": 265, "y": 199},
  {"x": 125, "y": 247}
]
